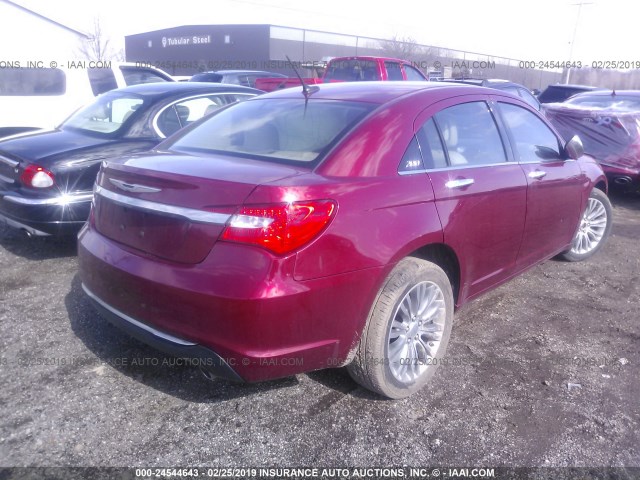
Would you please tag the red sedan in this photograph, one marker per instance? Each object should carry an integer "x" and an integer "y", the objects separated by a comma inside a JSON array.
[{"x": 335, "y": 226}]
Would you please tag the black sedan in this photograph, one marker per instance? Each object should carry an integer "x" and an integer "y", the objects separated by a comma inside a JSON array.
[{"x": 47, "y": 177}]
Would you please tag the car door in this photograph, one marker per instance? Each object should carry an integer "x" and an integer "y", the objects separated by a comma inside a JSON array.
[
  {"x": 480, "y": 192},
  {"x": 555, "y": 184}
]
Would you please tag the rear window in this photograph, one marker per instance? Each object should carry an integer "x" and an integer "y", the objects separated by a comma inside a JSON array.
[
  {"x": 16, "y": 82},
  {"x": 352, "y": 71},
  {"x": 106, "y": 115},
  {"x": 277, "y": 130}
]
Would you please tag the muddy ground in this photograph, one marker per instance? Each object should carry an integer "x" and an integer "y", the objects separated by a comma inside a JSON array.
[{"x": 543, "y": 371}]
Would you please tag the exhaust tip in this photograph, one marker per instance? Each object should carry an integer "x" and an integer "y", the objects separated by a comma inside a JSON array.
[{"x": 622, "y": 180}]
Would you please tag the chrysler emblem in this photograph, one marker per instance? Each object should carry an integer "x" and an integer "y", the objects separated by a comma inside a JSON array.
[{"x": 133, "y": 187}]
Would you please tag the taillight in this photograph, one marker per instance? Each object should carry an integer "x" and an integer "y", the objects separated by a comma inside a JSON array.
[
  {"x": 280, "y": 228},
  {"x": 37, "y": 177}
]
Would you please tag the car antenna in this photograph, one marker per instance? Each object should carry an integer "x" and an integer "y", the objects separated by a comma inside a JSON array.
[{"x": 306, "y": 90}]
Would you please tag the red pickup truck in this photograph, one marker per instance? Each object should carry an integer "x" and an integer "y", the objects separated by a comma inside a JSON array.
[{"x": 351, "y": 69}]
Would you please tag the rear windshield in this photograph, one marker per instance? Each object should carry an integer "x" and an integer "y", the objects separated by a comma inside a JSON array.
[
  {"x": 352, "y": 71},
  {"x": 32, "y": 82},
  {"x": 106, "y": 115},
  {"x": 613, "y": 102},
  {"x": 290, "y": 131}
]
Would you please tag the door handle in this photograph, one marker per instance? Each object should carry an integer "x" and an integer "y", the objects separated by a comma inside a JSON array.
[
  {"x": 460, "y": 183},
  {"x": 537, "y": 174}
]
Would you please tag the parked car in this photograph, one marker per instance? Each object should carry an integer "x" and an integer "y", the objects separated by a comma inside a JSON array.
[
  {"x": 352, "y": 69},
  {"x": 608, "y": 123},
  {"x": 35, "y": 98},
  {"x": 47, "y": 177},
  {"x": 505, "y": 85},
  {"x": 246, "y": 78},
  {"x": 560, "y": 92},
  {"x": 337, "y": 226}
]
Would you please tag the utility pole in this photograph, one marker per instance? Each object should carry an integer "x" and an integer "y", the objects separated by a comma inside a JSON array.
[{"x": 573, "y": 38}]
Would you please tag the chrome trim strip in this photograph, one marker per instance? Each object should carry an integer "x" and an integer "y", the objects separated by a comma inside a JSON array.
[
  {"x": 133, "y": 321},
  {"x": 8, "y": 161},
  {"x": 192, "y": 214},
  {"x": 21, "y": 226},
  {"x": 413, "y": 172},
  {"x": 62, "y": 200},
  {"x": 7, "y": 179}
]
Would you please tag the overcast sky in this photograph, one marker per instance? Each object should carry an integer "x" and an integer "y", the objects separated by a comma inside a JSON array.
[{"x": 537, "y": 30}]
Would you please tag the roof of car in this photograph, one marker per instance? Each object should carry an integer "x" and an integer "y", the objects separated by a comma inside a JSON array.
[
  {"x": 169, "y": 88},
  {"x": 486, "y": 82},
  {"x": 573, "y": 86},
  {"x": 239, "y": 72},
  {"x": 376, "y": 92},
  {"x": 369, "y": 57},
  {"x": 633, "y": 93}
]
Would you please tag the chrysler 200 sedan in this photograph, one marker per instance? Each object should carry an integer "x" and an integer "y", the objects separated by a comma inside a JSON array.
[
  {"x": 335, "y": 226},
  {"x": 47, "y": 177}
]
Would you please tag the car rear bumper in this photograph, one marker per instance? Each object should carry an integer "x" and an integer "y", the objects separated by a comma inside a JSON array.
[
  {"x": 240, "y": 307},
  {"x": 196, "y": 354},
  {"x": 40, "y": 216}
]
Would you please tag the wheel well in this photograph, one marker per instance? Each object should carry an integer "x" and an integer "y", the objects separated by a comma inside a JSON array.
[
  {"x": 602, "y": 185},
  {"x": 445, "y": 258}
]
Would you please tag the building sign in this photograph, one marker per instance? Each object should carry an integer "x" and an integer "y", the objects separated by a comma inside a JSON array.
[{"x": 183, "y": 41}]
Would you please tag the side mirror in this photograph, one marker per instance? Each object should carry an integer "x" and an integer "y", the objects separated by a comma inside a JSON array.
[{"x": 574, "y": 148}]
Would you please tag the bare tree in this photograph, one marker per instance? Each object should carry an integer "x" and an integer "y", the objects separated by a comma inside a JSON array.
[
  {"x": 406, "y": 48},
  {"x": 97, "y": 46}
]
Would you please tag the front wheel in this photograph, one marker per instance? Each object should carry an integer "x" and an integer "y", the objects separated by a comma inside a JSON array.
[
  {"x": 594, "y": 228},
  {"x": 407, "y": 334}
]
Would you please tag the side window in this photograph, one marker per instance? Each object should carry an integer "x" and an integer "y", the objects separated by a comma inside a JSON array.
[
  {"x": 413, "y": 74},
  {"x": 393, "y": 71},
  {"x": 470, "y": 135},
  {"x": 535, "y": 141},
  {"x": 182, "y": 113},
  {"x": 412, "y": 158},
  {"x": 431, "y": 146}
]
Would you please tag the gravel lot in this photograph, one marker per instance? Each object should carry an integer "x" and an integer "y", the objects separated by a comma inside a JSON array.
[{"x": 543, "y": 371}]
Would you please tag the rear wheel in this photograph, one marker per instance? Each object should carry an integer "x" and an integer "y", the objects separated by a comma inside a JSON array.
[
  {"x": 407, "y": 334},
  {"x": 594, "y": 228}
]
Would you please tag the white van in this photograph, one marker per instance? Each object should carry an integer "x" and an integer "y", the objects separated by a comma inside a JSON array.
[{"x": 34, "y": 98}]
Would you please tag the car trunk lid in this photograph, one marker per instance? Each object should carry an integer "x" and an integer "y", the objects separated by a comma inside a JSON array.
[{"x": 176, "y": 206}]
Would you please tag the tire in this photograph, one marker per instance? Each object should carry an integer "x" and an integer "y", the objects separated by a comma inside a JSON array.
[
  {"x": 384, "y": 365},
  {"x": 594, "y": 229}
]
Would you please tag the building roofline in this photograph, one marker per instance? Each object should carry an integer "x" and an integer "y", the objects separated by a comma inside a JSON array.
[{"x": 46, "y": 19}]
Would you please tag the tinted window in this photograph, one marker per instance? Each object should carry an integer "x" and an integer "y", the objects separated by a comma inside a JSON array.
[
  {"x": 393, "y": 71},
  {"x": 413, "y": 73},
  {"x": 32, "y": 81},
  {"x": 615, "y": 102},
  {"x": 106, "y": 114},
  {"x": 431, "y": 146},
  {"x": 285, "y": 130},
  {"x": 207, "y": 77},
  {"x": 136, "y": 76},
  {"x": 102, "y": 80},
  {"x": 534, "y": 140},
  {"x": 470, "y": 134},
  {"x": 352, "y": 70}
]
